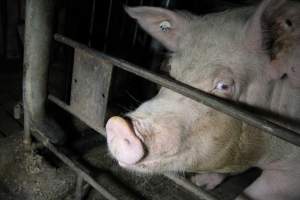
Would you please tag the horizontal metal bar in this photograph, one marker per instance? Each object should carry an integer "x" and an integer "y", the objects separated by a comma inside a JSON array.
[
  {"x": 39, "y": 135},
  {"x": 207, "y": 99},
  {"x": 69, "y": 109},
  {"x": 200, "y": 193}
]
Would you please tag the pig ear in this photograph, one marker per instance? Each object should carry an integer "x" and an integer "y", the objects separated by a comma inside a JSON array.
[
  {"x": 275, "y": 28},
  {"x": 164, "y": 25},
  {"x": 258, "y": 24}
]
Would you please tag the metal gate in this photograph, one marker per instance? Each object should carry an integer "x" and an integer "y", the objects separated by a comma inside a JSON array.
[{"x": 89, "y": 104}]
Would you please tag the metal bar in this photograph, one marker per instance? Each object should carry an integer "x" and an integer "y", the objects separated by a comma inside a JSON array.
[
  {"x": 200, "y": 193},
  {"x": 167, "y": 4},
  {"x": 92, "y": 22},
  {"x": 38, "y": 37},
  {"x": 69, "y": 109},
  {"x": 217, "y": 103},
  {"x": 38, "y": 134},
  {"x": 107, "y": 25},
  {"x": 79, "y": 187}
]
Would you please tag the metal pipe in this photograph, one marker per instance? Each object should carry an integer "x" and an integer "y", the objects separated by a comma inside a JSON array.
[
  {"x": 217, "y": 103},
  {"x": 79, "y": 187},
  {"x": 92, "y": 22},
  {"x": 107, "y": 26},
  {"x": 38, "y": 37},
  {"x": 38, "y": 133},
  {"x": 167, "y": 4},
  {"x": 202, "y": 194}
]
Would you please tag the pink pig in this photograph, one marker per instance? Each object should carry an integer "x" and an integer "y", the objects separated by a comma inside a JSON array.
[{"x": 247, "y": 55}]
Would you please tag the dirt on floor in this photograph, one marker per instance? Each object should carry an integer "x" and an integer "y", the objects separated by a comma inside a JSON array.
[{"x": 26, "y": 175}]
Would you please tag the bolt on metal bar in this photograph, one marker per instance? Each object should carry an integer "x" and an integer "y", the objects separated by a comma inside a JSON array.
[
  {"x": 200, "y": 193},
  {"x": 38, "y": 133},
  {"x": 207, "y": 99}
]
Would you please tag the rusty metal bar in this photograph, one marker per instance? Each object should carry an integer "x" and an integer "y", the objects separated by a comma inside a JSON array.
[
  {"x": 38, "y": 37},
  {"x": 200, "y": 193},
  {"x": 38, "y": 133},
  {"x": 217, "y": 103}
]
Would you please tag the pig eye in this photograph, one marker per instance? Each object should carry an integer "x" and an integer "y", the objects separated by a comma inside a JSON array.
[{"x": 222, "y": 86}]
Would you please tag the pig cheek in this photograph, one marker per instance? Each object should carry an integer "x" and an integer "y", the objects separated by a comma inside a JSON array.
[
  {"x": 164, "y": 143},
  {"x": 213, "y": 131}
]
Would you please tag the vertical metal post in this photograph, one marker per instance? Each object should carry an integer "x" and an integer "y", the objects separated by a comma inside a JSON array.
[
  {"x": 79, "y": 187},
  {"x": 92, "y": 23},
  {"x": 38, "y": 37}
]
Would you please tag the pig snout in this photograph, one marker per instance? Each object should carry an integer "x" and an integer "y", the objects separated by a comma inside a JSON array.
[{"x": 122, "y": 141}]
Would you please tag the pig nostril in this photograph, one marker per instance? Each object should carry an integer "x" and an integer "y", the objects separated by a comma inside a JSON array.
[{"x": 127, "y": 141}]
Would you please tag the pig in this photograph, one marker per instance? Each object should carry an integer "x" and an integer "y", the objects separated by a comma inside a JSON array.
[{"x": 247, "y": 55}]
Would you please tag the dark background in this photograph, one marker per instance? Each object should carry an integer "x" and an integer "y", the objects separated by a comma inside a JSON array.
[{"x": 101, "y": 24}]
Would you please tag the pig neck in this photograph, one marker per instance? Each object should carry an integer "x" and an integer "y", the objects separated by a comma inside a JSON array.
[{"x": 283, "y": 100}]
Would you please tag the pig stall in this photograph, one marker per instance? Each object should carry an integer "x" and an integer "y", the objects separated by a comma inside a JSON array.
[{"x": 101, "y": 77}]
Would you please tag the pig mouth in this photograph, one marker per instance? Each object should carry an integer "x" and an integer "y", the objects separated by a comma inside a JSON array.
[{"x": 151, "y": 166}]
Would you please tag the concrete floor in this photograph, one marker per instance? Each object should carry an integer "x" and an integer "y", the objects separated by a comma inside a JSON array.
[{"x": 24, "y": 174}]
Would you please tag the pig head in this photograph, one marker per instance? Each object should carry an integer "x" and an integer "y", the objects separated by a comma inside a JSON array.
[{"x": 248, "y": 55}]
